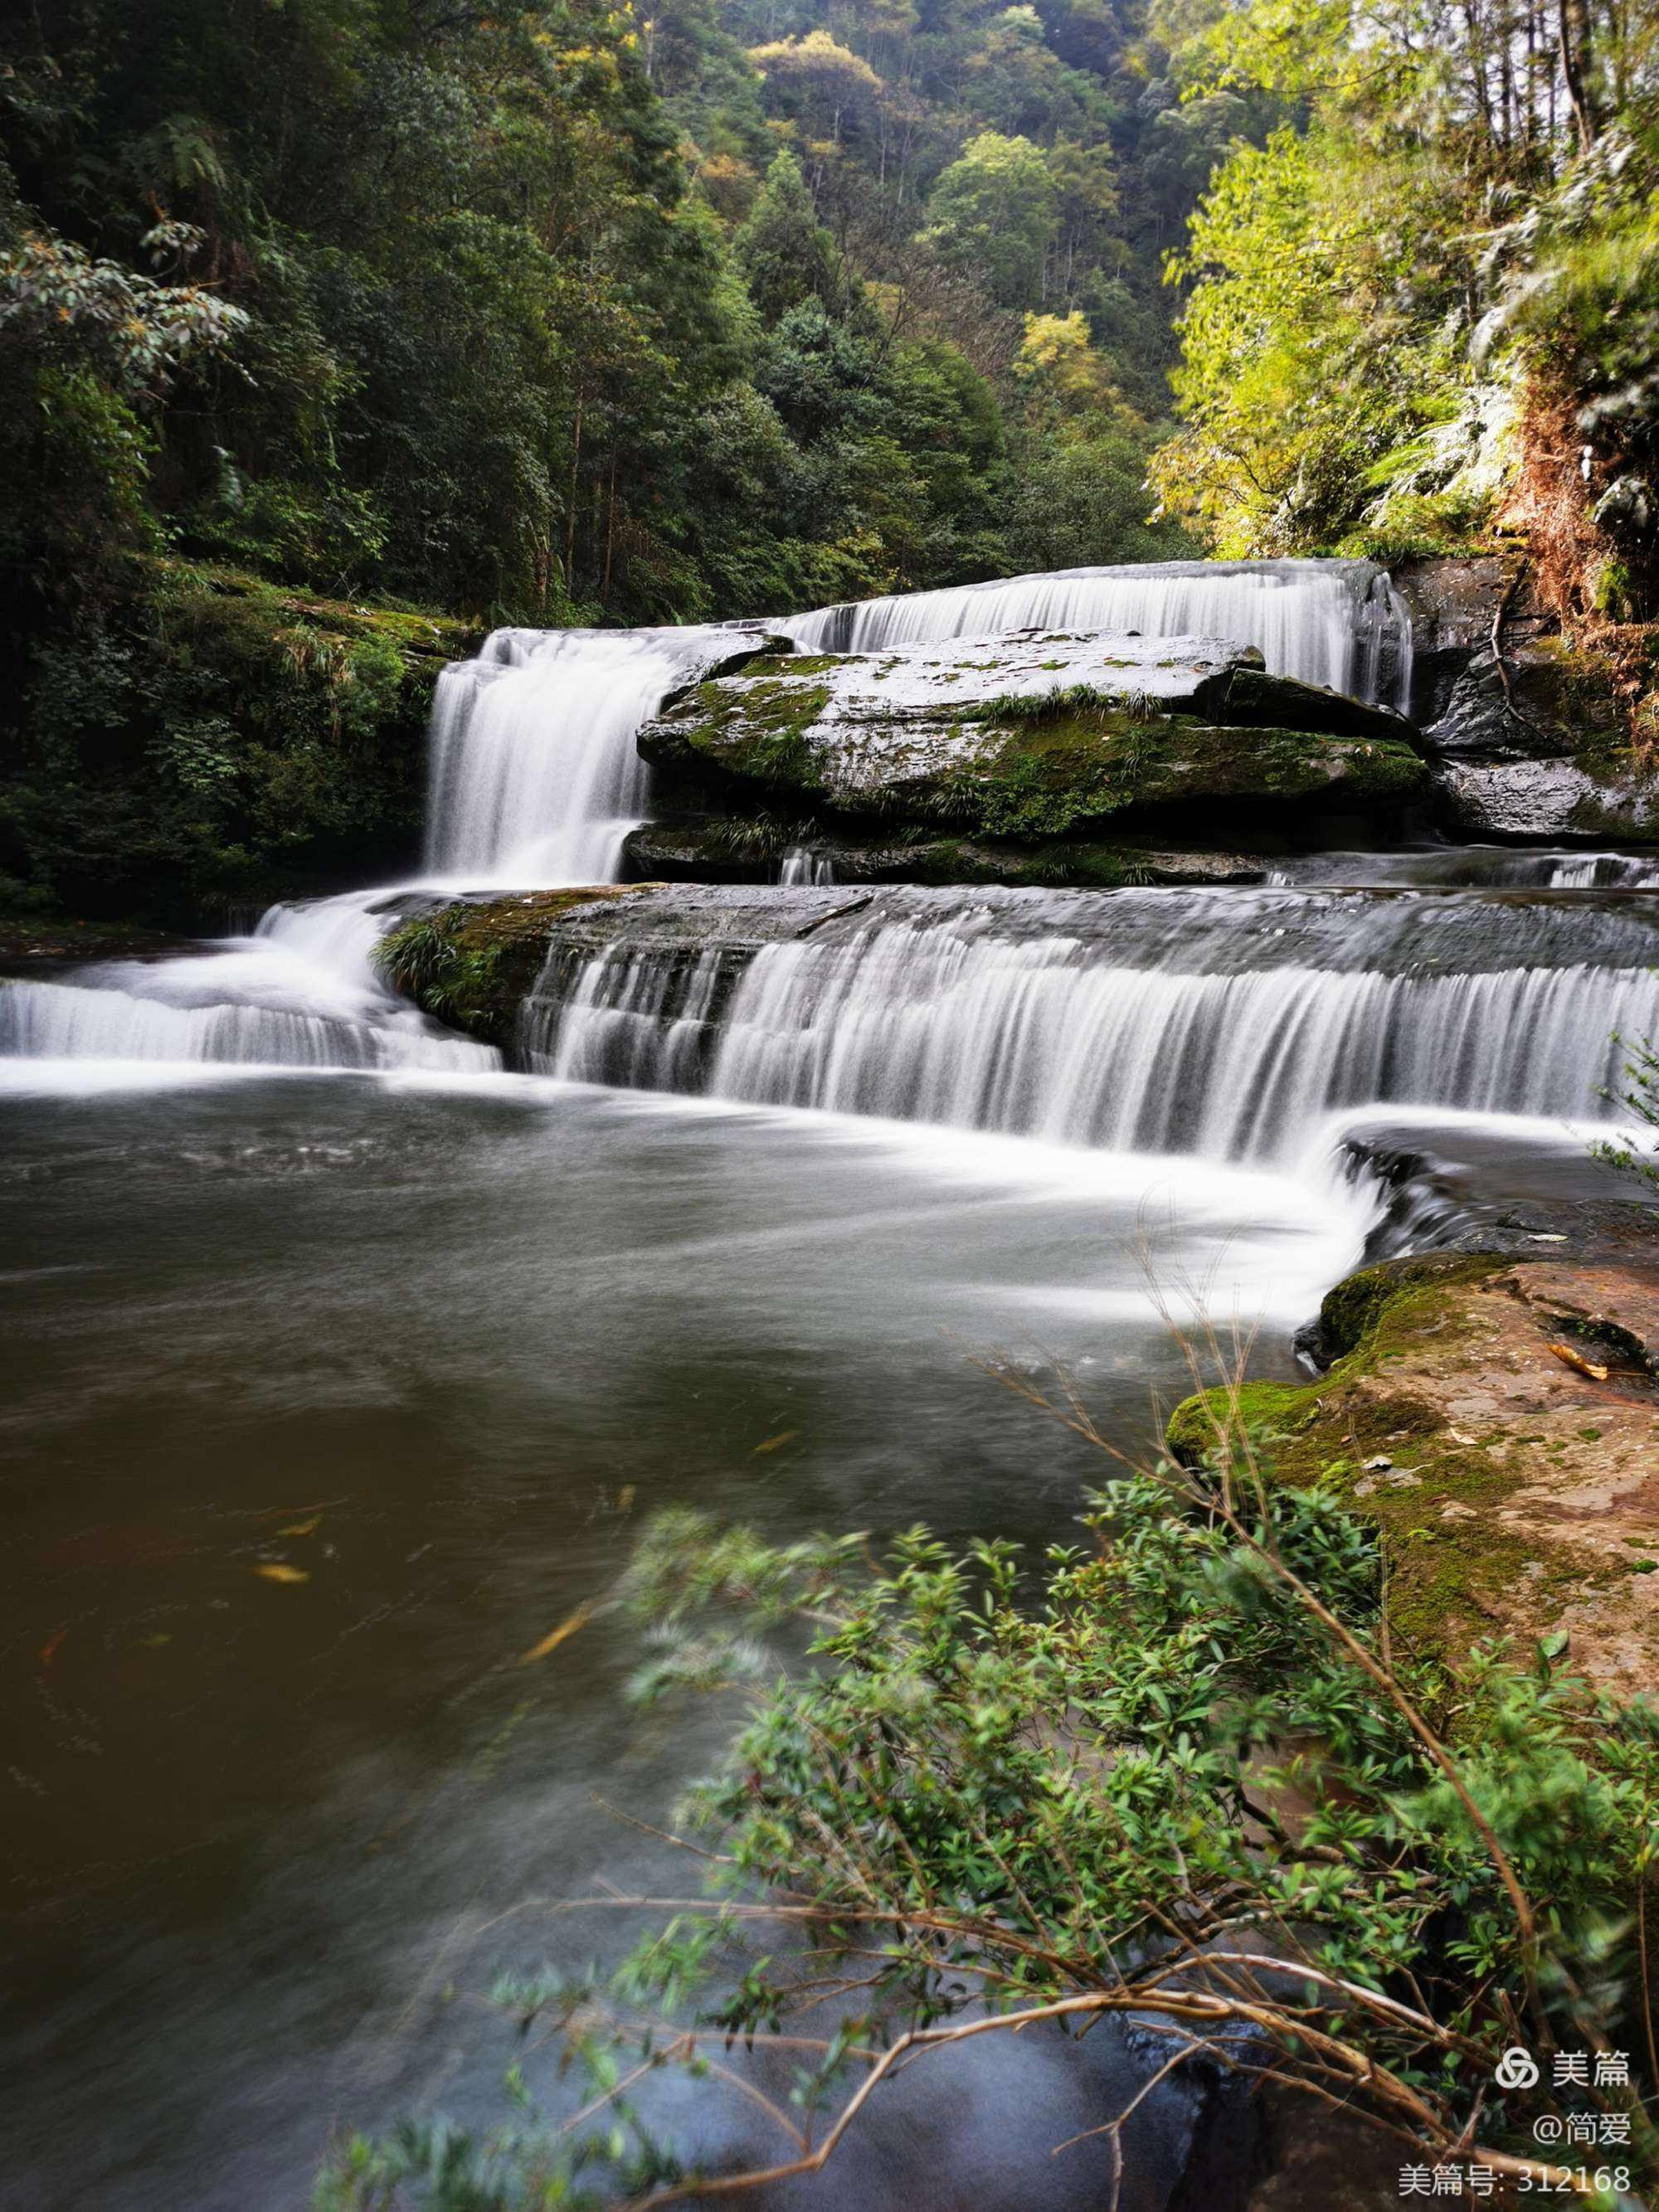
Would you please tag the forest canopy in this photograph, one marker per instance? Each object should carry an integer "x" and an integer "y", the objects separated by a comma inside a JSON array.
[
  {"x": 566, "y": 312},
  {"x": 558, "y": 312}
]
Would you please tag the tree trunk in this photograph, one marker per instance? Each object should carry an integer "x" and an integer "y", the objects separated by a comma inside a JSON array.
[{"x": 1575, "y": 24}]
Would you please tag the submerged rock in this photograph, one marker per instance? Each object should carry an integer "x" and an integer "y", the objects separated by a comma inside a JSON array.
[{"x": 1036, "y": 736}]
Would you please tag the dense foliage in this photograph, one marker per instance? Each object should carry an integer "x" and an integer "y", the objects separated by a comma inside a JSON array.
[
  {"x": 1428, "y": 300},
  {"x": 545, "y": 313},
  {"x": 1183, "y": 1777},
  {"x": 552, "y": 310}
]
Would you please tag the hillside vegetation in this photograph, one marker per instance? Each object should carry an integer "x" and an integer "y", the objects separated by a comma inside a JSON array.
[{"x": 563, "y": 312}]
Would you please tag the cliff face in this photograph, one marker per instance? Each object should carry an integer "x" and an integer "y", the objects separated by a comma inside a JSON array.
[{"x": 1532, "y": 736}]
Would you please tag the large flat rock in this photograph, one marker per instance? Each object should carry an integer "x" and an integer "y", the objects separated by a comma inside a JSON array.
[{"x": 1035, "y": 735}]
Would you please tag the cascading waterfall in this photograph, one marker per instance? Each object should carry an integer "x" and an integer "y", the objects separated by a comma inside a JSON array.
[
  {"x": 801, "y": 864},
  {"x": 535, "y": 779},
  {"x": 623, "y": 1031},
  {"x": 300, "y": 993},
  {"x": 1234, "y": 1024},
  {"x": 1340, "y": 623},
  {"x": 1228, "y": 1024}
]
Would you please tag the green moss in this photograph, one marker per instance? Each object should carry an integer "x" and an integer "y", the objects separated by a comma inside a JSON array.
[
  {"x": 1445, "y": 1575},
  {"x": 756, "y": 729},
  {"x": 217, "y": 740},
  {"x": 473, "y": 963},
  {"x": 1030, "y": 768},
  {"x": 1056, "y": 773},
  {"x": 1350, "y": 1313}
]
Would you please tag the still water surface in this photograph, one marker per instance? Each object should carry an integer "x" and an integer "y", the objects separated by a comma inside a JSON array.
[{"x": 435, "y": 1345}]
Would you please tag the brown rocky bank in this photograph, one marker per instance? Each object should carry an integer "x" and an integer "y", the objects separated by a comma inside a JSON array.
[{"x": 1496, "y": 1418}]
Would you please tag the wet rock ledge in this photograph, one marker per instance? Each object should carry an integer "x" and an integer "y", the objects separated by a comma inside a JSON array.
[{"x": 1033, "y": 736}]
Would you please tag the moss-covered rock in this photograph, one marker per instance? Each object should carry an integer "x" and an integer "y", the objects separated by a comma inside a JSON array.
[
  {"x": 1499, "y": 1422},
  {"x": 992, "y": 742},
  {"x": 473, "y": 963}
]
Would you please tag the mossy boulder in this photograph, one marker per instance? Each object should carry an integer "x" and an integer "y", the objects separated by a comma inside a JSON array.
[
  {"x": 1497, "y": 1420},
  {"x": 1035, "y": 738},
  {"x": 472, "y": 964}
]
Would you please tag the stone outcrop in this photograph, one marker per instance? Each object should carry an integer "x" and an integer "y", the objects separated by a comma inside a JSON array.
[
  {"x": 719, "y": 849},
  {"x": 1531, "y": 745},
  {"x": 1456, "y": 606},
  {"x": 1037, "y": 736},
  {"x": 1498, "y": 1419},
  {"x": 1548, "y": 800},
  {"x": 1537, "y": 745}
]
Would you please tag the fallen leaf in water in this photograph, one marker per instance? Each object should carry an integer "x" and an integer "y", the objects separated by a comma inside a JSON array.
[
  {"x": 775, "y": 1444},
  {"x": 49, "y": 1648},
  {"x": 556, "y": 1637},
  {"x": 625, "y": 1499},
  {"x": 302, "y": 1527},
  {"x": 1576, "y": 1359},
  {"x": 276, "y": 1574}
]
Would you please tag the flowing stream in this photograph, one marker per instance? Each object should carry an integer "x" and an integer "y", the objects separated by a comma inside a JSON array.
[
  {"x": 342, "y": 1360},
  {"x": 1233, "y": 1024},
  {"x": 1337, "y": 623}
]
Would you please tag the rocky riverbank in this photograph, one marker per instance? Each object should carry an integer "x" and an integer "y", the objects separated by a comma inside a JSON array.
[
  {"x": 1496, "y": 1414},
  {"x": 1532, "y": 736}
]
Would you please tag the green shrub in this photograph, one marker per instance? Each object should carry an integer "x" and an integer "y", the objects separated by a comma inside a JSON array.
[{"x": 1174, "y": 1775}]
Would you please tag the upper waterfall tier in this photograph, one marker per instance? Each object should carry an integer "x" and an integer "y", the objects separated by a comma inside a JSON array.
[
  {"x": 1340, "y": 623},
  {"x": 535, "y": 778},
  {"x": 1228, "y": 1024}
]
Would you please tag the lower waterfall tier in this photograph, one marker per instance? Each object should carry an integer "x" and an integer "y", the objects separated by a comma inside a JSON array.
[{"x": 1228, "y": 1024}]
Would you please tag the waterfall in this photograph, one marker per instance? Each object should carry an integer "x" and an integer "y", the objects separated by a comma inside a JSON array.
[
  {"x": 801, "y": 864},
  {"x": 535, "y": 781},
  {"x": 535, "y": 778},
  {"x": 618, "y": 1028},
  {"x": 1340, "y": 623},
  {"x": 300, "y": 993},
  {"x": 1232, "y": 1025}
]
